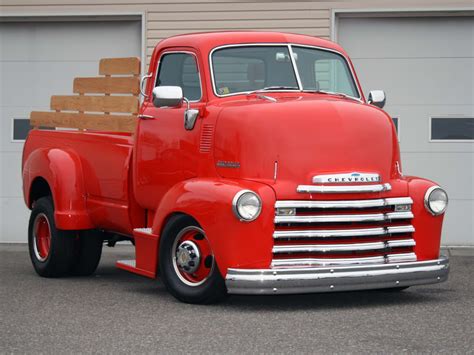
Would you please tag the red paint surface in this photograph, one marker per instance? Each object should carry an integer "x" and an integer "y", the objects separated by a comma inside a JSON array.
[{"x": 117, "y": 183}]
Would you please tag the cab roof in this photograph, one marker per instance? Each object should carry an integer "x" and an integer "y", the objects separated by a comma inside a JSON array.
[{"x": 206, "y": 41}]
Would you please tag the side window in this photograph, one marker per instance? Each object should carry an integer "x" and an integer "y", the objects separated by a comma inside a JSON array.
[{"x": 180, "y": 69}]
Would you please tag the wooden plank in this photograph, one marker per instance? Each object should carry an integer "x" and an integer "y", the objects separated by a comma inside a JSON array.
[
  {"x": 126, "y": 104},
  {"x": 111, "y": 123},
  {"x": 107, "y": 85},
  {"x": 119, "y": 66}
]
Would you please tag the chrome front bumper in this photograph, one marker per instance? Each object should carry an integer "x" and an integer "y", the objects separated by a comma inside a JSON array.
[{"x": 340, "y": 278}]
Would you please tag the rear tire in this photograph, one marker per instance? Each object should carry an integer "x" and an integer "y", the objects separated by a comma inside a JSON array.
[
  {"x": 88, "y": 250},
  {"x": 187, "y": 265},
  {"x": 51, "y": 250}
]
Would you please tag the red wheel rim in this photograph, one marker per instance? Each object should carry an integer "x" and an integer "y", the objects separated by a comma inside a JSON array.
[
  {"x": 193, "y": 271},
  {"x": 42, "y": 237}
]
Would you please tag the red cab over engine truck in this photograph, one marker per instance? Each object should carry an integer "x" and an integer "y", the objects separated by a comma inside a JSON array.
[{"x": 257, "y": 166}]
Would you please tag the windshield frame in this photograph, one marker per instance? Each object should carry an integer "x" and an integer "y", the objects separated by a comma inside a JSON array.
[{"x": 295, "y": 68}]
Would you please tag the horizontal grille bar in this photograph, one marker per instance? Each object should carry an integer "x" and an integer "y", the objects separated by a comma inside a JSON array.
[
  {"x": 370, "y": 217},
  {"x": 307, "y": 262},
  {"x": 336, "y": 233},
  {"x": 343, "y": 188},
  {"x": 382, "y": 202},
  {"x": 349, "y": 247},
  {"x": 398, "y": 258}
]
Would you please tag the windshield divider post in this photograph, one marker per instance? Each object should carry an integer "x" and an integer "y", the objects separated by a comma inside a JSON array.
[{"x": 295, "y": 68}]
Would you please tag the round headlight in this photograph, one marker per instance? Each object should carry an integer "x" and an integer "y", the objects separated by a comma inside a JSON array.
[
  {"x": 246, "y": 205},
  {"x": 436, "y": 200}
]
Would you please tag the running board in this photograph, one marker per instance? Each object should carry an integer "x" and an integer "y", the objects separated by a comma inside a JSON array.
[{"x": 146, "y": 254}]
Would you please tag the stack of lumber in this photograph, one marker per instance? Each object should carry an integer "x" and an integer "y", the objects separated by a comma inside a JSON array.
[{"x": 106, "y": 103}]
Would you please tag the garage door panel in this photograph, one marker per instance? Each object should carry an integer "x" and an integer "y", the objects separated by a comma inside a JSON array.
[
  {"x": 426, "y": 67},
  {"x": 33, "y": 83},
  {"x": 415, "y": 81},
  {"x": 407, "y": 37},
  {"x": 453, "y": 171},
  {"x": 7, "y": 114},
  {"x": 458, "y": 227},
  {"x": 14, "y": 220},
  {"x": 414, "y": 122},
  {"x": 11, "y": 183},
  {"x": 64, "y": 41}
]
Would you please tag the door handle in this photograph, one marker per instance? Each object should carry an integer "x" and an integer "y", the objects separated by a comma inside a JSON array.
[{"x": 146, "y": 117}]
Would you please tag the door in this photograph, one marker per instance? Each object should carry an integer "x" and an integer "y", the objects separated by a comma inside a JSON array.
[
  {"x": 166, "y": 151},
  {"x": 425, "y": 65}
]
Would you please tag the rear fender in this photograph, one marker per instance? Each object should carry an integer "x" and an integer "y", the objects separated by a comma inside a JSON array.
[
  {"x": 209, "y": 202},
  {"x": 62, "y": 171}
]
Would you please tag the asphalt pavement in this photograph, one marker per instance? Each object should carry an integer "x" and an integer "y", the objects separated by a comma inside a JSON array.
[{"x": 118, "y": 312}]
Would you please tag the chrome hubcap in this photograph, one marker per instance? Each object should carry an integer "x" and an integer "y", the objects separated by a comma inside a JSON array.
[
  {"x": 192, "y": 257},
  {"x": 188, "y": 256}
]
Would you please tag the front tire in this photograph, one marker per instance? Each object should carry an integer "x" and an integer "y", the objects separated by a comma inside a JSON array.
[
  {"x": 187, "y": 264},
  {"x": 51, "y": 250}
]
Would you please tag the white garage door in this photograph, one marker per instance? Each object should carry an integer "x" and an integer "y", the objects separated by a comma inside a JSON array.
[
  {"x": 39, "y": 59},
  {"x": 425, "y": 65}
]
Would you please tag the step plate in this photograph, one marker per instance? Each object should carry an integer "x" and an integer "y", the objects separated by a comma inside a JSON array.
[{"x": 130, "y": 265}]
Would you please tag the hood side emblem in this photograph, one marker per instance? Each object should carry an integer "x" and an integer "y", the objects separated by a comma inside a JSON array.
[{"x": 228, "y": 164}]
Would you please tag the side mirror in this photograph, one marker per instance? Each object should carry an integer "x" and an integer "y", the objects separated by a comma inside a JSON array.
[
  {"x": 377, "y": 98},
  {"x": 167, "y": 96}
]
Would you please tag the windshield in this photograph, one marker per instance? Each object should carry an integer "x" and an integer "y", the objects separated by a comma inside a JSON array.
[{"x": 243, "y": 69}]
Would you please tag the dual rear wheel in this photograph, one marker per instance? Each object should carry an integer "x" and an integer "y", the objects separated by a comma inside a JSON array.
[{"x": 55, "y": 252}]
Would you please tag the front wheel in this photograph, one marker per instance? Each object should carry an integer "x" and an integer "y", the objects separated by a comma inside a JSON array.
[{"x": 187, "y": 264}]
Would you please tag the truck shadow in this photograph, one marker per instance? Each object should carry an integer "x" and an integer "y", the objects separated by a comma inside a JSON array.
[{"x": 336, "y": 300}]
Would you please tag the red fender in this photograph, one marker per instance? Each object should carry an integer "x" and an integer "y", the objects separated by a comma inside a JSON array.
[
  {"x": 209, "y": 201},
  {"x": 427, "y": 227},
  {"x": 62, "y": 171}
]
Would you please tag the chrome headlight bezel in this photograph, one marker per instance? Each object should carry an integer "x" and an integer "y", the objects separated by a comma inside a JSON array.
[
  {"x": 236, "y": 205},
  {"x": 427, "y": 200}
]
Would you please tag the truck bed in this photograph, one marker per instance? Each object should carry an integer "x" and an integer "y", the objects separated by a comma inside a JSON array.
[{"x": 105, "y": 164}]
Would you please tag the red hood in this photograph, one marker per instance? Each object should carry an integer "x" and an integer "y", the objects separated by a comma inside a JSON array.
[{"x": 307, "y": 135}]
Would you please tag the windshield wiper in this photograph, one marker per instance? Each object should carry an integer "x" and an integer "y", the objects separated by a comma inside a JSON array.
[
  {"x": 269, "y": 88},
  {"x": 332, "y": 93}
]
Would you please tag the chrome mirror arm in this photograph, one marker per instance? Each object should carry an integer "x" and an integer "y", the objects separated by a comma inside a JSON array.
[
  {"x": 190, "y": 116},
  {"x": 143, "y": 79}
]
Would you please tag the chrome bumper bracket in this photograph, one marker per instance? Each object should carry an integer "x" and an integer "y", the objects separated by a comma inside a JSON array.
[{"x": 337, "y": 278}]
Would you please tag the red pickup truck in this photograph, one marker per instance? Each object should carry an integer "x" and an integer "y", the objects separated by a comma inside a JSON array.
[{"x": 257, "y": 167}]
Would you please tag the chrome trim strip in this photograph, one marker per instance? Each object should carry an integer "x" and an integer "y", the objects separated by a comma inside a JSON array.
[
  {"x": 381, "y": 202},
  {"x": 401, "y": 258},
  {"x": 330, "y": 248},
  {"x": 401, "y": 243},
  {"x": 295, "y": 67},
  {"x": 373, "y": 217},
  {"x": 343, "y": 178},
  {"x": 309, "y": 262},
  {"x": 401, "y": 229},
  {"x": 369, "y": 217},
  {"x": 336, "y": 233},
  {"x": 398, "y": 215},
  {"x": 343, "y": 188},
  {"x": 340, "y": 278}
]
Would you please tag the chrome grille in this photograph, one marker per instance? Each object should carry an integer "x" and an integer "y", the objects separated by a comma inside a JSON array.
[{"x": 343, "y": 232}]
